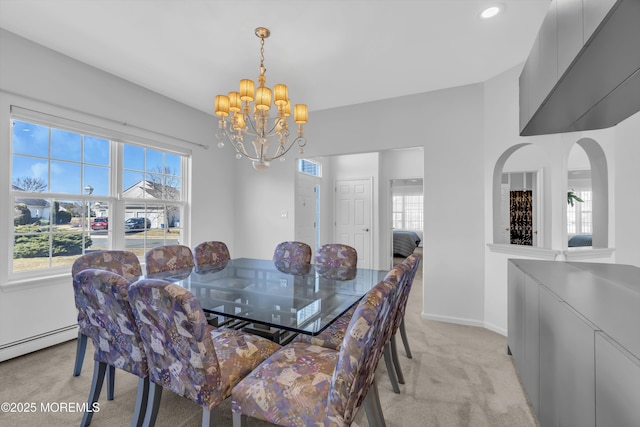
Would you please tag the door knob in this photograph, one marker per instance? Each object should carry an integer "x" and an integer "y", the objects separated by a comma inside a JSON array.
[{"x": 365, "y": 229}]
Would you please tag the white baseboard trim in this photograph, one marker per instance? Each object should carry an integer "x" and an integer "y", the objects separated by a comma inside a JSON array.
[
  {"x": 463, "y": 321},
  {"x": 38, "y": 342},
  {"x": 496, "y": 329}
]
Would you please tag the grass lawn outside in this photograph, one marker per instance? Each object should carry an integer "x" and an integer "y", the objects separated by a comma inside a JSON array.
[{"x": 24, "y": 264}]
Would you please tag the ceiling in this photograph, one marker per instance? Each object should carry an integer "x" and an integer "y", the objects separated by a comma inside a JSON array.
[{"x": 330, "y": 53}]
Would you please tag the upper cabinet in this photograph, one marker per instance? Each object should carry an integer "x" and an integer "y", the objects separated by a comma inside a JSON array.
[{"x": 583, "y": 71}]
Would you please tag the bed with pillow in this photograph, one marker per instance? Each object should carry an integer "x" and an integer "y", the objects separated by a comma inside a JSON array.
[
  {"x": 405, "y": 242},
  {"x": 580, "y": 240}
]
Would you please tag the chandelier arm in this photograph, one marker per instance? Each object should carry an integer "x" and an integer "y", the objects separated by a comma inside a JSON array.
[
  {"x": 253, "y": 125},
  {"x": 290, "y": 146},
  {"x": 242, "y": 151}
]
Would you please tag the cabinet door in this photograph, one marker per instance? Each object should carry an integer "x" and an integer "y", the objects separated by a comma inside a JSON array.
[
  {"x": 567, "y": 367},
  {"x": 531, "y": 373},
  {"x": 515, "y": 314},
  {"x": 617, "y": 384}
]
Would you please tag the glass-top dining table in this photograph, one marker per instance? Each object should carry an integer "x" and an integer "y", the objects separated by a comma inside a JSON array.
[{"x": 264, "y": 294}]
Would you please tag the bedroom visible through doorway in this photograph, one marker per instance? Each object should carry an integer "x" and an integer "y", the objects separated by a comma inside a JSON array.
[{"x": 407, "y": 216}]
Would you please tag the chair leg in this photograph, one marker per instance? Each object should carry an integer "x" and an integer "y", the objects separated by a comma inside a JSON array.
[
  {"x": 394, "y": 357},
  {"x": 99, "y": 369},
  {"x": 390, "y": 369},
  {"x": 111, "y": 380},
  {"x": 207, "y": 417},
  {"x": 80, "y": 350},
  {"x": 405, "y": 341},
  {"x": 372, "y": 407},
  {"x": 238, "y": 419},
  {"x": 142, "y": 396},
  {"x": 153, "y": 404}
]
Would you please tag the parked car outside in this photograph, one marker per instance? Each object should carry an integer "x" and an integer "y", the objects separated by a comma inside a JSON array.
[
  {"x": 133, "y": 224},
  {"x": 100, "y": 223}
]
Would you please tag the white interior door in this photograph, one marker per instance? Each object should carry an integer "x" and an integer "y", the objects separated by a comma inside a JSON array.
[{"x": 353, "y": 211}]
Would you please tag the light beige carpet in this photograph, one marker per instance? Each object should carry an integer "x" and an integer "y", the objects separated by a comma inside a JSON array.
[{"x": 459, "y": 376}]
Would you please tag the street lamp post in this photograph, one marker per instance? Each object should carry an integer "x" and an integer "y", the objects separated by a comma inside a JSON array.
[{"x": 89, "y": 190}]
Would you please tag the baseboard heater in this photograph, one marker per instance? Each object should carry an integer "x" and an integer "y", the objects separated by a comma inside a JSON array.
[{"x": 37, "y": 342}]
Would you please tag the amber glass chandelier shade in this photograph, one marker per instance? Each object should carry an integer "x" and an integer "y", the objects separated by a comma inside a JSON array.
[
  {"x": 300, "y": 114},
  {"x": 280, "y": 95},
  {"x": 247, "y": 90},
  {"x": 263, "y": 98},
  {"x": 222, "y": 105},
  {"x": 235, "y": 103}
]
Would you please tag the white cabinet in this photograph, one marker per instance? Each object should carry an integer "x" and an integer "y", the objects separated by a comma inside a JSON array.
[
  {"x": 617, "y": 384},
  {"x": 567, "y": 396},
  {"x": 572, "y": 332}
]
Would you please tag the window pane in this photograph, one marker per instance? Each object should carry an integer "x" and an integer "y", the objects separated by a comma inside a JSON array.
[
  {"x": 29, "y": 138},
  {"x": 65, "y": 145},
  {"x": 172, "y": 164},
  {"x": 133, "y": 157},
  {"x": 65, "y": 178},
  {"x": 30, "y": 174},
  {"x": 154, "y": 186},
  {"x": 97, "y": 178},
  {"x": 151, "y": 225},
  {"x": 172, "y": 188},
  {"x": 30, "y": 211},
  {"x": 154, "y": 161},
  {"x": 31, "y": 251},
  {"x": 133, "y": 184},
  {"x": 96, "y": 151}
]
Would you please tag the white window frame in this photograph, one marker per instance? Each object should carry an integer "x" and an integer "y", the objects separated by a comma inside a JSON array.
[{"x": 106, "y": 130}]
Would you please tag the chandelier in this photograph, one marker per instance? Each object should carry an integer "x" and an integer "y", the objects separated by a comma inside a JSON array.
[{"x": 256, "y": 126}]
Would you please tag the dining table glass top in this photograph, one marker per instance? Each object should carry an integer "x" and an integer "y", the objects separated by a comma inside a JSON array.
[{"x": 303, "y": 298}]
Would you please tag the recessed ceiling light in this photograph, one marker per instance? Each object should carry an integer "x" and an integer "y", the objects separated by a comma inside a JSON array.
[{"x": 491, "y": 11}]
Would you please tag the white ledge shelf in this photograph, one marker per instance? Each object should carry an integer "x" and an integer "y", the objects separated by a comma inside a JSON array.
[
  {"x": 521, "y": 250},
  {"x": 577, "y": 254}
]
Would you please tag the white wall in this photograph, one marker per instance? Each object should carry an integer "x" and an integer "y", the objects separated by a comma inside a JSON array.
[
  {"x": 621, "y": 147},
  {"x": 448, "y": 124},
  {"x": 37, "y": 78},
  {"x": 626, "y": 191},
  {"x": 261, "y": 200}
]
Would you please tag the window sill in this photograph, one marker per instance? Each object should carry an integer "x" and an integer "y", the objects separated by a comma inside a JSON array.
[
  {"x": 576, "y": 254},
  {"x": 529, "y": 251}
]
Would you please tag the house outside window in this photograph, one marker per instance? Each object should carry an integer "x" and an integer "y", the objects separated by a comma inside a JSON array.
[{"x": 66, "y": 191}]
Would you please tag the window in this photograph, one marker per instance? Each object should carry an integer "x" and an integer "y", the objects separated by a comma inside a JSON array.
[
  {"x": 579, "y": 215},
  {"x": 65, "y": 188},
  {"x": 407, "y": 205},
  {"x": 152, "y": 192},
  {"x": 309, "y": 167}
]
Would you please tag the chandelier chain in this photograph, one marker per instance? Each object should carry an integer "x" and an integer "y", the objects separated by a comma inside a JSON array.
[{"x": 262, "y": 54}]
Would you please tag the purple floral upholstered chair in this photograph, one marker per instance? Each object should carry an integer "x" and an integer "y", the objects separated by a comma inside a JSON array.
[
  {"x": 336, "y": 255},
  {"x": 103, "y": 297},
  {"x": 211, "y": 253},
  {"x": 412, "y": 262},
  {"x": 124, "y": 263},
  {"x": 168, "y": 258},
  {"x": 303, "y": 384},
  {"x": 333, "y": 336},
  {"x": 292, "y": 252},
  {"x": 187, "y": 355}
]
